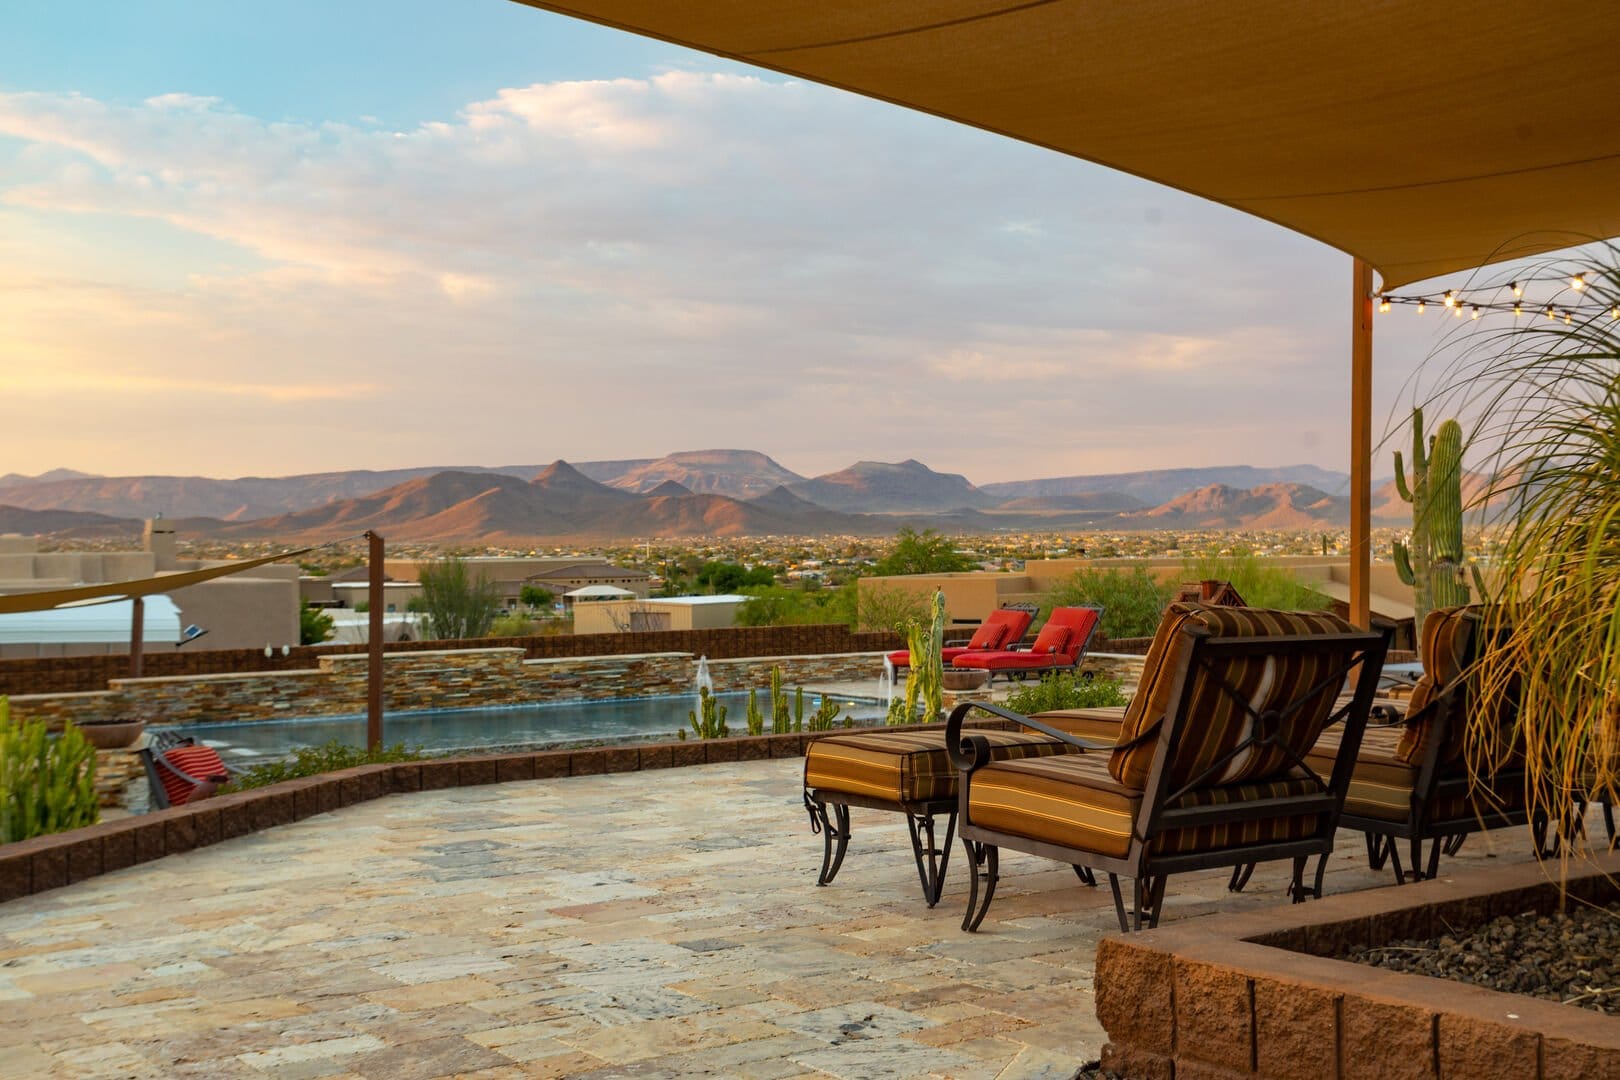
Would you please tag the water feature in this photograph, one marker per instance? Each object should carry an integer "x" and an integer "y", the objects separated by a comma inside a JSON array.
[
  {"x": 886, "y": 684},
  {"x": 704, "y": 680},
  {"x": 245, "y": 743}
]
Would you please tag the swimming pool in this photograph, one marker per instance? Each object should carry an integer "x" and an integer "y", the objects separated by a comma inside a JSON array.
[{"x": 246, "y": 743}]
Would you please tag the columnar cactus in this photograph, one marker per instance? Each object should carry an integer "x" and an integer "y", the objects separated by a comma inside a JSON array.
[
  {"x": 709, "y": 718},
  {"x": 1433, "y": 562},
  {"x": 924, "y": 678},
  {"x": 46, "y": 785},
  {"x": 753, "y": 719},
  {"x": 781, "y": 718}
]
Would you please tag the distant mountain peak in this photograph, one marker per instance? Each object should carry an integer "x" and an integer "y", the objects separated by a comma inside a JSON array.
[{"x": 667, "y": 488}]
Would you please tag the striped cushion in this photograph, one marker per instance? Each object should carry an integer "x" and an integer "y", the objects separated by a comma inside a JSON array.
[
  {"x": 1099, "y": 725},
  {"x": 1381, "y": 785},
  {"x": 1215, "y": 721},
  {"x": 1074, "y": 802},
  {"x": 1447, "y": 650},
  {"x": 906, "y": 766},
  {"x": 198, "y": 762}
]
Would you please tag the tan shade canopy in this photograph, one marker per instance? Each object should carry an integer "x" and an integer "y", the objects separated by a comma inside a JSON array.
[
  {"x": 1422, "y": 138},
  {"x": 79, "y": 594}
]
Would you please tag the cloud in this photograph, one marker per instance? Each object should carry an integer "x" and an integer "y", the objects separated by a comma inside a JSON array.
[{"x": 642, "y": 265}]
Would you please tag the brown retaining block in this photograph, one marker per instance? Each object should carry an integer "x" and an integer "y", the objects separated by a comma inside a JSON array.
[
  {"x": 48, "y": 862},
  {"x": 1258, "y": 995}
]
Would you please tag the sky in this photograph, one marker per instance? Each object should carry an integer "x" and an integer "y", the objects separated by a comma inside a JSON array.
[{"x": 264, "y": 240}]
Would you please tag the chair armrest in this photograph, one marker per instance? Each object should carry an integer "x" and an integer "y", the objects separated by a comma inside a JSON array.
[
  {"x": 218, "y": 778},
  {"x": 972, "y": 752}
]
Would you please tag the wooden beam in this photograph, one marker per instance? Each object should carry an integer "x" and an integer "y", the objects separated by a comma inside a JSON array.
[
  {"x": 137, "y": 636},
  {"x": 1361, "y": 446}
]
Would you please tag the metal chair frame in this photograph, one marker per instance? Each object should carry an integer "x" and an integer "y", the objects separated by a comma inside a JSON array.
[{"x": 1157, "y": 815}]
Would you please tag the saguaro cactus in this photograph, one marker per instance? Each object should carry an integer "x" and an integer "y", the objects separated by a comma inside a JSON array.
[
  {"x": 709, "y": 718},
  {"x": 1433, "y": 562}
]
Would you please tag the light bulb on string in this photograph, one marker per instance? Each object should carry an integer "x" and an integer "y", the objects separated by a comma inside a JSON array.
[
  {"x": 1457, "y": 310},
  {"x": 1578, "y": 282},
  {"x": 1383, "y": 303},
  {"x": 1474, "y": 314},
  {"x": 1518, "y": 290},
  {"x": 1614, "y": 312},
  {"x": 1421, "y": 305},
  {"x": 1550, "y": 314},
  {"x": 1451, "y": 298},
  {"x": 1566, "y": 318},
  {"x": 1518, "y": 309}
]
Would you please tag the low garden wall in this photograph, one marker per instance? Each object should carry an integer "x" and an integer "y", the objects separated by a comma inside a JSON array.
[{"x": 1258, "y": 996}]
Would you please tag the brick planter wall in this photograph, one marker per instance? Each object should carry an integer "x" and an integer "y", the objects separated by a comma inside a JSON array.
[{"x": 1257, "y": 995}]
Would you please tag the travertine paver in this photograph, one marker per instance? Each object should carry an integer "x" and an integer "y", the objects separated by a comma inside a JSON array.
[{"x": 638, "y": 924}]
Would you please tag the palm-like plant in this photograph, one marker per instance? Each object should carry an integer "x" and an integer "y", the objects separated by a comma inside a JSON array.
[{"x": 1546, "y": 395}]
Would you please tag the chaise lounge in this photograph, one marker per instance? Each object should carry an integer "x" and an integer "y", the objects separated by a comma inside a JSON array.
[
  {"x": 1208, "y": 769},
  {"x": 1003, "y": 628},
  {"x": 1059, "y": 646}
]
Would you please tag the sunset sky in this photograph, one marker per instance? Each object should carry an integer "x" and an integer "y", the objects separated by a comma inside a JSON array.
[{"x": 268, "y": 239}]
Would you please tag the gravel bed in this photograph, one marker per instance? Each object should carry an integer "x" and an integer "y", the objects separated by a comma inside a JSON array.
[{"x": 1572, "y": 958}]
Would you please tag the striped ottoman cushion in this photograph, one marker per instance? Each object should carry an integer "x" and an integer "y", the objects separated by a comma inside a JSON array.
[
  {"x": 1381, "y": 786},
  {"x": 906, "y": 766},
  {"x": 1074, "y": 802}
]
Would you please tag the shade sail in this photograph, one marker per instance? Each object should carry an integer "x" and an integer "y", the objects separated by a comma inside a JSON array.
[
  {"x": 98, "y": 624},
  {"x": 1420, "y": 138},
  {"x": 44, "y": 601}
]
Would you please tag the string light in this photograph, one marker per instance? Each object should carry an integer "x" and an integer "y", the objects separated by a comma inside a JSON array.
[
  {"x": 1518, "y": 290},
  {"x": 1421, "y": 307},
  {"x": 1614, "y": 312},
  {"x": 1550, "y": 314},
  {"x": 1509, "y": 296},
  {"x": 1578, "y": 282},
  {"x": 1566, "y": 318},
  {"x": 1518, "y": 309},
  {"x": 1451, "y": 298},
  {"x": 1456, "y": 309},
  {"x": 1383, "y": 303},
  {"x": 1474, "y": 314}
]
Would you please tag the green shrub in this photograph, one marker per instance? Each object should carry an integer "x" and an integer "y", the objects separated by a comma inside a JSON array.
[
  {"x": 1261, "y": 584},
  {"x": 513, "y": 625},
  {"x": 1132, "y": 600},
  {"x": 1062, "y": 691},
  {"x": 314, "y": 760},
  {"x": 314, "y": 625},
  {"x": 46, "y": 785}
]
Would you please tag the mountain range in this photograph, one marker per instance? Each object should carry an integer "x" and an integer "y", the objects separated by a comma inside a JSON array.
[{"x": 692, "y": 493}]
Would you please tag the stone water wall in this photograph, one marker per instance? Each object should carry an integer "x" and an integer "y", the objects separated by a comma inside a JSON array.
[{"x": 425, "y": 680}]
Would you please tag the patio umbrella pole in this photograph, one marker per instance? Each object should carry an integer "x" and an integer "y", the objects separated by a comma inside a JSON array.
[
  {"x": 1361, "y": 446},
  {"x": 374, "y": 646}
]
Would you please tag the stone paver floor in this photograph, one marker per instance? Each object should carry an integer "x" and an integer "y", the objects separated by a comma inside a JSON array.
[{"x": 639, "y": 924}]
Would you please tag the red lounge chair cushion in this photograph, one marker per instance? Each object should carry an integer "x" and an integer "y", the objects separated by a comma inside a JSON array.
[
  {"x": 198, "y": 762},
  {"x": 1052, "y": 640}
]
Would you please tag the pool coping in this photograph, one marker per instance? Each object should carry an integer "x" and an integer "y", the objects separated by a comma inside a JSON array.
[{"x": 29, "y": 867}]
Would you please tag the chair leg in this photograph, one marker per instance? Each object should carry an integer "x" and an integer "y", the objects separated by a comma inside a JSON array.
[
  {"x": 1119, "y": 904},
  {"x": 1296, "y": 885},
  {"x": 1436, "y": 846},
  {"x": 1149, "y": 900},
  {"x": 988, "y": 857},
  {"x": 1454, "y": 843},
  {"x": 1416, "y": 845},
  {"x": 1394, "y": 853},
  {"x": 1085, "y": 875},
  {"x": 834, "y": 832},
  {"x": 1379, "y": 847},
  {"x": 931, "y": 860},
  {"x": 1240, "y": 877}
]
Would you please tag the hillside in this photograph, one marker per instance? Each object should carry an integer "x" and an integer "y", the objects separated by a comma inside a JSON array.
[
  {"x": 1157, "y": 486},
  {"x": 741, "y": 474},
  {"x": 885, "y": 487},
  {"x": 1269, "y": 506}
]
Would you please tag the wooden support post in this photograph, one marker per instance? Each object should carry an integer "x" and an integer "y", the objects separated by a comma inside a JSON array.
[
  {"x": 374, "y": 646},
  {"x": 137, "y": 636},
  {"x": 1361, "y": 446}
]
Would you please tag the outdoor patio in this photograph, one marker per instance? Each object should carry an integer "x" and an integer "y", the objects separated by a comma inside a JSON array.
[{"x": 634, "y": 924}]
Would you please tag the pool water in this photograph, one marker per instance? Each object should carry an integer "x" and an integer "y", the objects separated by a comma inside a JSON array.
[{"x": 246, "y": 743}]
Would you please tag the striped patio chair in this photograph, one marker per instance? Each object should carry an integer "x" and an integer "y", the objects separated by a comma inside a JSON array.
[{"x": 1208, "y": 768}]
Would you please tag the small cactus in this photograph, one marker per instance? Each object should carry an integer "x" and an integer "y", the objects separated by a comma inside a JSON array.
[
  {"x": 798, "y": 708},
  {"x": 924, "y": 678},
  {"x": 825, "y": 718},
  {"x": 46, "y": 785},
  {"x": 754, "y": 719},
  {"x": 709, "y": 718},
  {"x": 781, "y": 718}
]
